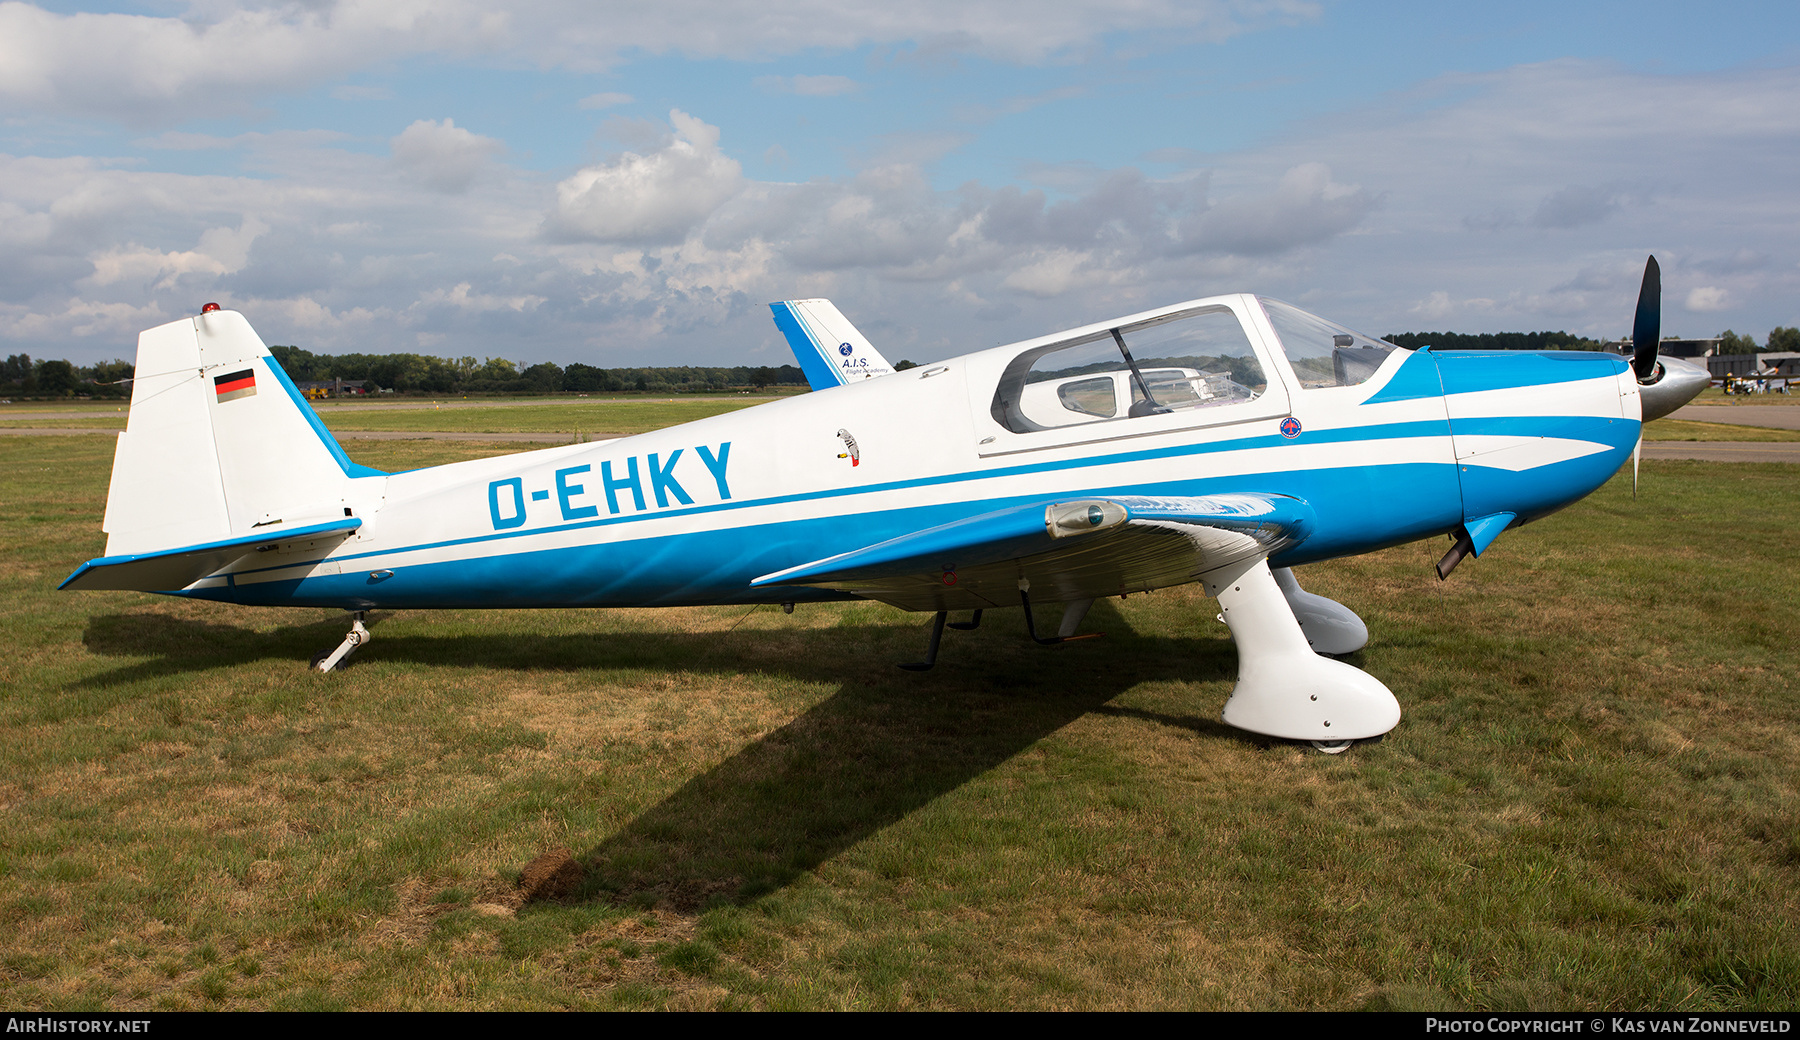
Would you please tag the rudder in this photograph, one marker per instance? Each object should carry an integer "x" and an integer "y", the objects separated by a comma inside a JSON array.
[{"x": 219, "y": 444}]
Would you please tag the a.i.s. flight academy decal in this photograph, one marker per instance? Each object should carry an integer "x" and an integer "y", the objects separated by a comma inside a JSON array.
[
  {"x": 1290, "y": 427},
  {"x": 850, "y": 451},
  {"x": 236, "y": 385}
]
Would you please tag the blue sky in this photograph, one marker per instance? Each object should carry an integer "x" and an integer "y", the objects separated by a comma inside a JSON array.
[{"x": 615, "y": 185}]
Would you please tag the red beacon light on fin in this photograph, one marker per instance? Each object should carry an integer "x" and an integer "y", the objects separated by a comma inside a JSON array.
[{"x": 209, "y": 308}]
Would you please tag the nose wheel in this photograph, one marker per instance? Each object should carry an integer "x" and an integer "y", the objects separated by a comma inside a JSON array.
[{"x": 1331, "y": 747}]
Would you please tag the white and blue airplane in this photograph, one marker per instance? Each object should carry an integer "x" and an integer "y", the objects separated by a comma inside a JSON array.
[{"x": 1224, "y": 441}]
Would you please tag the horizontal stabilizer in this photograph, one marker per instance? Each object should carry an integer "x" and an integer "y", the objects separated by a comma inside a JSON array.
[
  {"x": 829, "y": 349},
  {"x": 1078, "y": 549},
  {"x": 172, "y": 569}
]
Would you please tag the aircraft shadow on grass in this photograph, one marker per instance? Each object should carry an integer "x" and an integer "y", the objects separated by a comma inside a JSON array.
[{"x": 886, "y": 744}]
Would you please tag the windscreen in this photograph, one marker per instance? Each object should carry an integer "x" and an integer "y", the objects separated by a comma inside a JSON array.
[{"x": 1324, "y": 353}]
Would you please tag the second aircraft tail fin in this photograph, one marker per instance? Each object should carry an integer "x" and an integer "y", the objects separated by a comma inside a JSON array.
[{"x": 830, "y": 350}]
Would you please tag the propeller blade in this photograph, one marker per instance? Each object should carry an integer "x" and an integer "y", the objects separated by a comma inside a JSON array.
[
  {"x": 1637, "y": 450},
  {"x": 1646, "y": 330}
]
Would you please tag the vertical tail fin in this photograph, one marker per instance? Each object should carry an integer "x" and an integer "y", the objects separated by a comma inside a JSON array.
[
  {"x": 219, "y": 444},
  {"x": 830, "y": 350}
]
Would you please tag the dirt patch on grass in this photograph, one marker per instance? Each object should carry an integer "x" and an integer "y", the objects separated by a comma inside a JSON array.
[{"x": 552, "y": 875}]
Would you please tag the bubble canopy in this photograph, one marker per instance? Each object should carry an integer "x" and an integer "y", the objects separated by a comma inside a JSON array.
[
  {"x": 1324, "y": 353},
  {"x": 1198, "y": 357}
]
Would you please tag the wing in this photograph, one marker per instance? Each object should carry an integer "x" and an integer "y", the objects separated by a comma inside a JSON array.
[
  {"x": 173, "y": 569},
  {"x": 1061, "y": 550}
]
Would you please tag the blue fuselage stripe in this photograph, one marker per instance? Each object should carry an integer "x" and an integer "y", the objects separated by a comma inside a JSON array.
[
  {"x": 1361, "y": 508},
  {"x": 1391, "y": 431},
  {"x": 1369, "y": 507}
]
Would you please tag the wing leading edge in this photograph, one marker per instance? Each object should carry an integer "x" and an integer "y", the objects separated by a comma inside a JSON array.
[{"x": 1079, "y": 549}]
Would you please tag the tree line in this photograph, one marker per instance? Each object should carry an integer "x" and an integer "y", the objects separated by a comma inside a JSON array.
[
  {"x": 420, "y": 373},
  {"x": 22, "y": 376},
  {"x": 1493, "y": 341},
  {"x": 1780, "y": 339}
]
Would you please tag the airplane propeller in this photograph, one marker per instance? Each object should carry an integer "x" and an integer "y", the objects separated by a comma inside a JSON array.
[
  {"x": 1646, "y": 330},
  {"x": 1664, "y": 383},
  {"x": 1646, "y": 333}
]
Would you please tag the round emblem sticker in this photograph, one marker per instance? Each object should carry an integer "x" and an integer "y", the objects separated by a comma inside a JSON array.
[
  {"x": 845, "y": 349},
  {"x": 1290, "y": 427}
]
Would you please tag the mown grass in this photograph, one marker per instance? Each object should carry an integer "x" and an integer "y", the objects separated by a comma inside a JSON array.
[
  {"x": 599, "y": 417},
  {"x": 1684, "y": 430},
  {"x": 69, "y": 415},
  {"x": 62, "y": 405},
  {"x": 1589, "y": 803},
  {"x": 618, "y": 418},
  {"x": 1717, "y": 395},
  {"x": 625, "y": 417}
]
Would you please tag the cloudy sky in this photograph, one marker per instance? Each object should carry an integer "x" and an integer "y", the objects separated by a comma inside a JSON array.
[{"x": 630, "y": 183}]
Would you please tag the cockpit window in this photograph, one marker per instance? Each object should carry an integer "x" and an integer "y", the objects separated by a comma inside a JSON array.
[
  {"x": 1324, "y": 353},
  {"x": 1097, "y": 397},
  {"x": 1197, "y": 359}
]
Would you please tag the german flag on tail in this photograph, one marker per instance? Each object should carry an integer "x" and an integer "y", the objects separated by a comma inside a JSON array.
[{"x": 236, "y": 385}]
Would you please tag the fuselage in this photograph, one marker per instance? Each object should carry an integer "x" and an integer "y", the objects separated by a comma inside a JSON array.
[{"x": 692, "y": 514}]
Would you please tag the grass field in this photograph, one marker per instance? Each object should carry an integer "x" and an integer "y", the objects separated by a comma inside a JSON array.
[
  {"x": 1717, "y": 395},
  {"x": 1591, "y": 801},
  {"x": 603, "y": 418},
  {"x": 595, "y": 418},
  {"x": 1684, "y": 430}
]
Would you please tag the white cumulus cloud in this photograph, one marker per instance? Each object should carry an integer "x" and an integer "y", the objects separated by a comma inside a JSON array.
[
  {"x": 135, "y": 66},
  {"x": 1306, "y": 207},
  {"x": 653, "y": 198},
  {"x": 1704, "y": 298},
  {"x": 443, "y": 156},
  {"x": 220, "y": 251},
  {"x": 222, "y": 55}
]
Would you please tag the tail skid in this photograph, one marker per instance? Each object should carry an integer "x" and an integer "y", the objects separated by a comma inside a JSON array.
[{"x": 220, "y": 457}]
